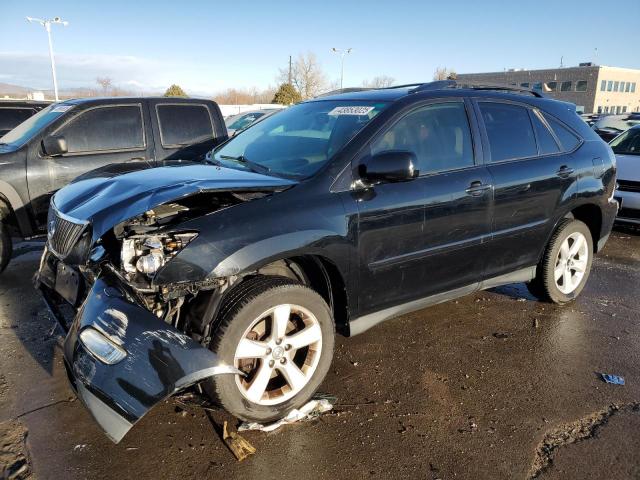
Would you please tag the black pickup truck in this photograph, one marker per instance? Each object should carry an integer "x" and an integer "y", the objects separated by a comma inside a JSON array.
[{"x": 71, "y": 138}]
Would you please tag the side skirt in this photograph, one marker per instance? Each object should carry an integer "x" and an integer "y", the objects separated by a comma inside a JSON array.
[{"x": 364, "y": 323}]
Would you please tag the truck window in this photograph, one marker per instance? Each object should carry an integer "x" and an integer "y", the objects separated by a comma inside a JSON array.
[
  {"x": 11, "y": 117},
  {"x": 183, "y": 124},
  {"x": 105, "y": 128}
]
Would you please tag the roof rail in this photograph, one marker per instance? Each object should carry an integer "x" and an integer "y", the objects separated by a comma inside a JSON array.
[
  {"x": 344, "y": 90},
  {"x": 441, "y": 84}
]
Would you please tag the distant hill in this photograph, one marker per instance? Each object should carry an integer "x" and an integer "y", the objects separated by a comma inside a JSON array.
[{"x": 13, "y": 90}]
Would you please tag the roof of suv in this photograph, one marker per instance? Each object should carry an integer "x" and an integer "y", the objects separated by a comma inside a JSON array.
[{"x": 438, "y": 88}]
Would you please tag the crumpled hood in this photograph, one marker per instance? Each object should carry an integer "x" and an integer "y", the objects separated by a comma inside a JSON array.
[{"x": 106, "y": 200}]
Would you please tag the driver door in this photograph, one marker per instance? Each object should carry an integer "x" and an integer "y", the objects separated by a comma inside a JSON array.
[{"x": 424, "y": 236}]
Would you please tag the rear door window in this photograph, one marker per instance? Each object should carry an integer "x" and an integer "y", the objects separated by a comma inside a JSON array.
[
  {"x": 105, "y": 129},
  {"x": 509, "y": 131},
  {"x": 568, "y": 140},
  {"x": 546, "y": 143},
  {"x": 184, "y": 124}
]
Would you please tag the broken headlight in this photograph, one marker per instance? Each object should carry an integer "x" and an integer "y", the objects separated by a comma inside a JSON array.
[{"x": 146, "y": 254}]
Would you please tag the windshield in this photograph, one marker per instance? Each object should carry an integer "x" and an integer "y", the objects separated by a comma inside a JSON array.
[
  {"x": 615, "y": 122},
  {"x": 628, "y": 143},
  {"x": 298, "y": 141},
  {"x": 27, "y": 129}
]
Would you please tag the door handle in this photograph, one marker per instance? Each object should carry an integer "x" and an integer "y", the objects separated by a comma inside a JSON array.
[
  {"x": 478, "y": 188},
  {"x": 564, "y": 171}
]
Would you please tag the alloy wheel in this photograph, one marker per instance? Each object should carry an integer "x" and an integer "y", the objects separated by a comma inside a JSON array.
[
  {"x": 571, "y": 263},
  {"x": 278, "y": 354}
]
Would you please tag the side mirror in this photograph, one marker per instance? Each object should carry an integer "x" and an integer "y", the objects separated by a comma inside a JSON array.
[
  {"x": 391, "y": 166},
  {"x": 54, "y": 145}
]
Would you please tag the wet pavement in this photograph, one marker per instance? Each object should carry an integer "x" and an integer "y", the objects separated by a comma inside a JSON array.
[{"x": 494, "y": 385}]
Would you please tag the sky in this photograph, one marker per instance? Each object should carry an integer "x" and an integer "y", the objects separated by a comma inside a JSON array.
[{"x": 209, "y": 46}]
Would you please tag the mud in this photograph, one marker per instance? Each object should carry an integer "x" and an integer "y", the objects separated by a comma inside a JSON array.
[{"x": 494, "y": 385}]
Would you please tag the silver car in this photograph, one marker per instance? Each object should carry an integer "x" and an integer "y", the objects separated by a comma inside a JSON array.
[{"x": 626, "y": 146}]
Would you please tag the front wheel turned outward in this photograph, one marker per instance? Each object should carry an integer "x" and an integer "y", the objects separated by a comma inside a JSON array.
[
  {"x": 566, "y": 263},
  {"x": 280, "y": 334}
]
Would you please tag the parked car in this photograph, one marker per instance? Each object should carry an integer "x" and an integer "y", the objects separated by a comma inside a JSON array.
[
  {"x": 334, "y": 215},
  {"x": 67, "y": 139},
  {"x": 610, "y": 126},
  {"x": 14, "y": 112},
  {"x": 238, "y": 122},
  {"x": 627, "y": 149}
]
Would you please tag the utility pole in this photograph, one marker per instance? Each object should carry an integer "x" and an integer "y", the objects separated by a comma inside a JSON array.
[
  {"x": 342, "y": 54},
  {"x": 47, "y": 26}
]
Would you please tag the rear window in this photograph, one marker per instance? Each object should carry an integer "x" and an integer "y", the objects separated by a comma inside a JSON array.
[
  {"x": 509, "y": 130},
  {"x": 11, "y": 117},
  {"x": 104, "y": 129},
  {"x": 568, "y": 140},
  {"x": 184, "y": 124}
]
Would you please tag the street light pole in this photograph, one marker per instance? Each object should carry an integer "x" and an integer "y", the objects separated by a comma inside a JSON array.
[
  {"x": 47, "y": 26},
  {"x": 342, "y": 53}
]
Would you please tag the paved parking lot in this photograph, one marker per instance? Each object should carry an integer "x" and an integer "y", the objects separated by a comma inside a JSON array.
[{"x": 495, "y": 385}]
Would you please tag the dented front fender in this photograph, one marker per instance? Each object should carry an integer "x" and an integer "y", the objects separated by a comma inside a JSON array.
[{"x": 159, "y": 360}]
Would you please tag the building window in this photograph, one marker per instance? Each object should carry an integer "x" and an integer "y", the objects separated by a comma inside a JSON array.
[
  {"x": 609, "y": 85},
  {"x": 633, "y": 87},
  {"x": 618, "y": 109},
  {"x": 565, "y": 87},
  {"x": 537, "y": 86},
  {"x": 606, "y": 109},
  {"x": 624, "y": 109},
  {"x": 600, "y": 109},
  {"x": 525, "y": 85},
  {"x": 551, "y": 86},
  {"x": 615, "y": 86},
  {"x": 581, "y": 86},
  {"x": 603, "y": 85},
  {"x": 627, "y": 86}
]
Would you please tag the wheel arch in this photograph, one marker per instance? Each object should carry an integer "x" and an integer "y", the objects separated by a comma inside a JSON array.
[{"x": 13, "y": 209}]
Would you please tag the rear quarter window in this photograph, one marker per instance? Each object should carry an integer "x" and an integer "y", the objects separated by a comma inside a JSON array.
[
  {"x": 182, "y": 125},
  {"x": 567, "y": 138}
]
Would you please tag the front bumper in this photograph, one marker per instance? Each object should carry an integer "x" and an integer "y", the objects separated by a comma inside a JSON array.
[{"x": 159, "y": 361}]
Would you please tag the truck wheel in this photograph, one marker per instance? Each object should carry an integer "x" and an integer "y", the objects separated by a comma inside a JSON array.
[
  {"x": 565, "y": 265},
  {"x": 6, "y": 247},
  {"x": 280, "y": 334}
]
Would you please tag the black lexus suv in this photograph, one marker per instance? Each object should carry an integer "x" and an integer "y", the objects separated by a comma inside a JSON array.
[{"x": 332, "y": 216}]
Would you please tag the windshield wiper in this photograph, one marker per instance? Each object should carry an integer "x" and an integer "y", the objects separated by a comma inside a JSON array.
[{"x": 255, "y": 167}]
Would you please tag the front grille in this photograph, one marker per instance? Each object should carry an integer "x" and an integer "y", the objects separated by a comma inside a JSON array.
[
  {"x": 63, "y": 232},
  {"x": 628, "y": 186}
]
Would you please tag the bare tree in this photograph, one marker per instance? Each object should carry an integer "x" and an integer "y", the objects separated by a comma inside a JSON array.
[
  {"x": 106, "y": 83},
  {"x": 307, "y": 75},
  {"x": 381, "y": 81},
  {"x": 234, "y": 96},
  {"x": 444, "y": 73}
]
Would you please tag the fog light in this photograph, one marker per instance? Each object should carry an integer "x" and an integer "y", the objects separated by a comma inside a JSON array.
[{"x": 101, "y": 347}]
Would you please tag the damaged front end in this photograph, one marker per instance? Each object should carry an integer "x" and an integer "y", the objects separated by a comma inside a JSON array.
[{"x": 131, "y": 342}]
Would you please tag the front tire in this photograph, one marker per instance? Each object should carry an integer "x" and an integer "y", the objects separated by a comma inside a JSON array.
[
  {"x": 6, "y": 247},
  {"x": 280, "y": 333},
  {"x": 565, "y": 265}
]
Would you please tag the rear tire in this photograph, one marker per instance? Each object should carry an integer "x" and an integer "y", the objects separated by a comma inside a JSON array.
[
  {"x": 257, "y": 334},
  {"x": 565, "y": 265},
  {"x": 6, "y": 247}
]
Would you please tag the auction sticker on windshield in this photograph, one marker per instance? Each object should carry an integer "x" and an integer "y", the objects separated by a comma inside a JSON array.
[{"x": 351, "y": 110}]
